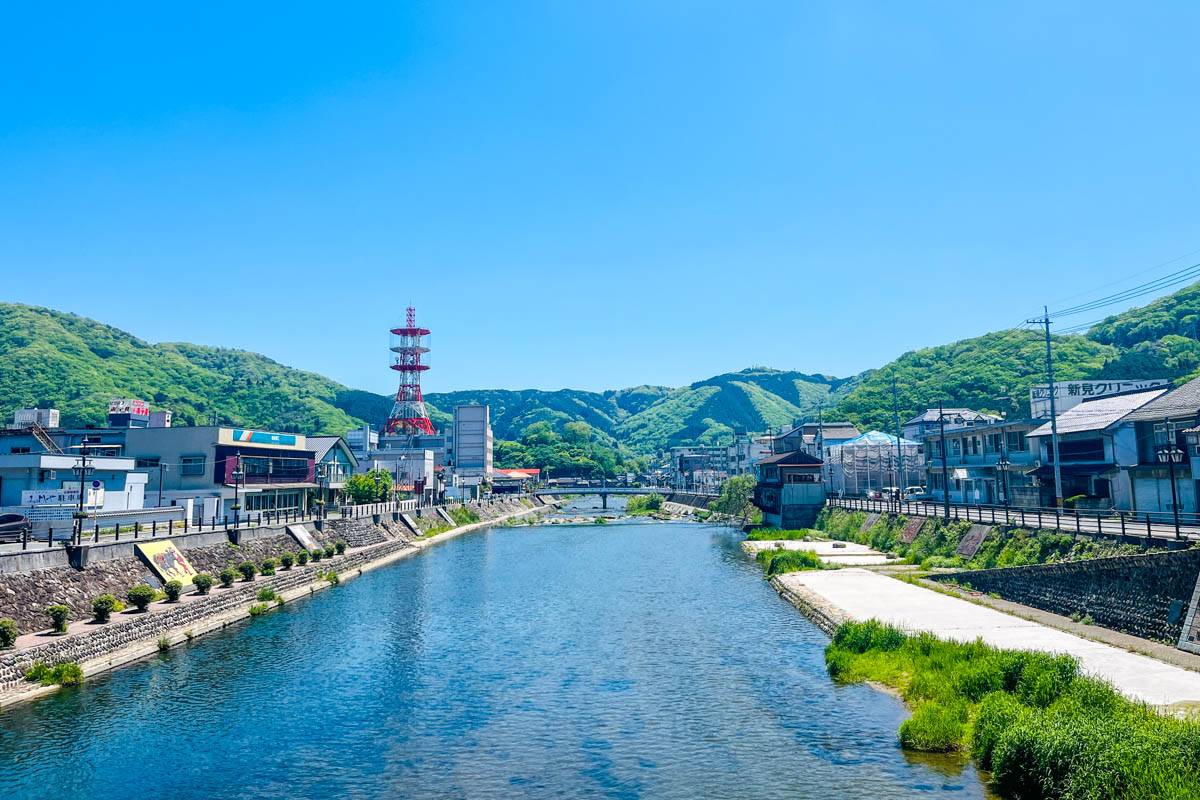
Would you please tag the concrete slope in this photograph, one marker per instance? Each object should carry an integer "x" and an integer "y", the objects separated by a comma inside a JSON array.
[{"x": 861, "y": 595}]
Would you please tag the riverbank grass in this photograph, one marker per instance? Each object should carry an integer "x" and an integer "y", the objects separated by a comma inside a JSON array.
[
  {"x": 779, "y": 535},
  {"x": 777, "y": 562},
  {"x": 1045, "y": 730}
]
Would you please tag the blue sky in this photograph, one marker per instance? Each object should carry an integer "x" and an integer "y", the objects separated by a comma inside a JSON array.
[{"x": 591, "y": 195}]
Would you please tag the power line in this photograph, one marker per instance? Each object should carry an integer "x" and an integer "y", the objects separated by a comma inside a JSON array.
[{"x": 1179, "y": 276}]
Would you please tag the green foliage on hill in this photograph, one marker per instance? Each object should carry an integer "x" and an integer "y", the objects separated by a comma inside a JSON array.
[
  {"x": 578, "y": 451},
  {"x": 74, "y": 364},
  {"x": 988, "y": 373}
]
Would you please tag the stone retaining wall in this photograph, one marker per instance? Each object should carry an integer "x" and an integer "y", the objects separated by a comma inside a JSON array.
[
  {"x": 1143, "y": 595},
  {"x": 108, "y": 638}
]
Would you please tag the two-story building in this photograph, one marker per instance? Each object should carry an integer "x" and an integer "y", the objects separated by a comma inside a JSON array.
[
  {"x": 1097, "y": 445},
  {"x": 1168, "y": 422},
  {"x": 931, "y": 421},
  {"x": 790, "y": 490},
  {"x": 335, "y": 463},
  {"x": 208, "y": 467},
  {"x": 981, "y": 462}
]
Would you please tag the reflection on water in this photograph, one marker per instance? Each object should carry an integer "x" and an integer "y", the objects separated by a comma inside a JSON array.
[{"x": 627, "y": 660}]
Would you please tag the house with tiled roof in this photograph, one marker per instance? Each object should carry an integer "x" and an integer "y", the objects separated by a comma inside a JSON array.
[{"x": 1169, "y": 422}]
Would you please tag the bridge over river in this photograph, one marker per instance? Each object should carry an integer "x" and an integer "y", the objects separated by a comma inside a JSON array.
[{"x": 605, "y": 491}]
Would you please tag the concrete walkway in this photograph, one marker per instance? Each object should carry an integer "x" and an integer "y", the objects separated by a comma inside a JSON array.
[
  {"x": 860, "y": 595},
  {"x": 849, "y": 553}
]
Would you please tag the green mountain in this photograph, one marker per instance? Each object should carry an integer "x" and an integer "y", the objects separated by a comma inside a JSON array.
[
  {"x": 50, "y": 358},
  {"x": 989, "y": 373},
  {"x": 74, "y": 364}
]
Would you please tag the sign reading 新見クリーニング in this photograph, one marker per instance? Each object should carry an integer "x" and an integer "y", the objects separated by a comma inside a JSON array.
[{"x": 1068, "y": 394}]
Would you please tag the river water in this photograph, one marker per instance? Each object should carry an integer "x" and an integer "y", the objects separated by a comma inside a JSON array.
[{"x": 634, "y": 659}]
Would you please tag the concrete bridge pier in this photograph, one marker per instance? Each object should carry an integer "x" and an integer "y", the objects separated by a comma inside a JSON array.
[{"x": 604, "y": 501}]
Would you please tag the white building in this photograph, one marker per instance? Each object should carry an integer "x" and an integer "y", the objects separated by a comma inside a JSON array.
[{"x": 470, "y": 444}]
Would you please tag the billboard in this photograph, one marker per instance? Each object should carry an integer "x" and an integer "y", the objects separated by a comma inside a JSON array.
[
  {"x": 134, "y": 408},
  {"x": 1068, "y": 394},
  {"x": 166, "y": 560}
]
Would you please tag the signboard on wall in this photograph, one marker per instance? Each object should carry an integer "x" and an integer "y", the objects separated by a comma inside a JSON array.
[
  {"x": 130, "y": 406},
  {"x": 61, "y": 497},
  {"x": 167, "y": 562},
  {"x": 242, "y": 436},
  {"x": 1068, "y": 394}
]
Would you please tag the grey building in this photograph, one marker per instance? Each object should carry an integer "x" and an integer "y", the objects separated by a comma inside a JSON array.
[{"x": 470, "y": 445}]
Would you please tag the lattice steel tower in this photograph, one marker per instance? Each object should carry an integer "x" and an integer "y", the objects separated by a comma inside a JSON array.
[{"x": 408, "y": 414}]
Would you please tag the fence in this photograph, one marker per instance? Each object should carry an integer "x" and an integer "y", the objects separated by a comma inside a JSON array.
[{"x": 1111, "y": 523}]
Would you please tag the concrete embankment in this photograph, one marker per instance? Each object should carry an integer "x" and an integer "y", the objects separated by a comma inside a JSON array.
[
  {"x": 132, "y": 635},
  {"x": 829, "y": 597}
]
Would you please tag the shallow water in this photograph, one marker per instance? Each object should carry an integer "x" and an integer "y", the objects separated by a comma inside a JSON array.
[{"x": 634, "y": 659}]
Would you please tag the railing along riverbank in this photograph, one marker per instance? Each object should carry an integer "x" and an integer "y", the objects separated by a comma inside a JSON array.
[{"x": 1114, "y": 524}]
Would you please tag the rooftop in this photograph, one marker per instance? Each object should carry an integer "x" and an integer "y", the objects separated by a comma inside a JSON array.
[
  {"x": 1181, "y": 402},
  {"x": 1096, "y": 415},
  {"x": 795, "y": 458}
]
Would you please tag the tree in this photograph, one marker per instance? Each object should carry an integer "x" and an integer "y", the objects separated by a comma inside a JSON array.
[
  {"x": 372, "y": 487},
  {"x": 736, "y": 497},
  {"x": 577, "y": 433}
]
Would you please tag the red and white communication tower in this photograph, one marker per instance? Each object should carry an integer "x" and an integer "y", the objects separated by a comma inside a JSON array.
[{"x": 408, "y": 414}]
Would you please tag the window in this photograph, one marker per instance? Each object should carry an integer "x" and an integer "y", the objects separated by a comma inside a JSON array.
[
  {"x": 974, "y": 445},
  {"x": 19, "y": 450},
  {"x": 146, "y": 462},
  {"x": 1016, "y": 442},
  {"x": 192, "y": 465},
  {"x": 956, "y": 446},
  {"x": 1085, "y": 450},
  {"x": 1161, "y": 435}
]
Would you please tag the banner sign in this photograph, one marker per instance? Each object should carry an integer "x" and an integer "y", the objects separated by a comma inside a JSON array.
[
  {"x": 1068, "y": 394},
  {"x": 166, "y": 561},
  {"x": 262, "y": 437}
]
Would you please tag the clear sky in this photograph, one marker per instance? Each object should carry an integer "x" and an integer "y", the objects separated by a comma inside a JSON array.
[{"x": 590, "y": 195}]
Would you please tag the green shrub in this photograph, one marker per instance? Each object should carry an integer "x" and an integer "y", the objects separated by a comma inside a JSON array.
[
  {"x": 998, "y": 712},
  {"x": 463, "y": 515},
  {"x": 103, "y": 607},
  {"x": 329, "y": 551},
  {"x": 287, "y": 559},
  {"x": 266, "y": 594},
  {"x": 340, "y": 546},
  {"x": 778, "y": 562},
  {"x": 141, "y": 596},
  {"x": 64, "y": 673},
  {"x": 247, "y": 569},
  {"x": 302, "y": 557},
  {"x": 59, "y": 615},
  {"x": 8, "y": 633},
  {"x": 258, "y": 609},
  {"x": 316, "y": 555},
  {"x": 67, "y": 674},
  {"x": 227, "y": 576},
  {"x": 203, "y": 582},
  {"x": 859, "y": 637},
  {"x": 934, "y": 728},
  {"x": 173, "y": 589},
  {"x": 37, "y": 672},
  {"x": 164, "y": 644},
  {"x": 268, "y": 566},
  {"x": 332, "y": 577}
]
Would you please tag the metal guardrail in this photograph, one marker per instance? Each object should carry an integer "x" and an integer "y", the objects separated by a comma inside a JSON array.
[
  {"x": 1111, "y": 523},
  {"x": 94, "y": 533}
]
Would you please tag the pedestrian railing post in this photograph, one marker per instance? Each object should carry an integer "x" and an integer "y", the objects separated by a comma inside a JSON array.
[
  {"x": 153, "y": 529},
  {"x": 96, "y": 536}
]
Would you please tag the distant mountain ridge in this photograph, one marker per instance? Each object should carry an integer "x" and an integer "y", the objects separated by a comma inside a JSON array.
[{"x": 75, "y": 364}]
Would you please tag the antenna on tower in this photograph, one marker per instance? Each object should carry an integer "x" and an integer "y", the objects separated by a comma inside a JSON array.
[{"x": 408, "y": 346}]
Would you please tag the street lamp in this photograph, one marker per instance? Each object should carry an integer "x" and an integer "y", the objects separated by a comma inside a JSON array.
[
  {"x": 322, "y": 473},
  {"x": 1171, "y": 454},
  {"x": 238, "y": 476},
  {"x": 1004, "y": 465},
  {"x": 83, "y": 472}
]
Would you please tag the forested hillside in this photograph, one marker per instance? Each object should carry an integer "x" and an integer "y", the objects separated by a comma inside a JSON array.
[{"x": 50, "y": 358}]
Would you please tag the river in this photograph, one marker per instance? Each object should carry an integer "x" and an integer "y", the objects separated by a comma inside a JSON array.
[{"x": 634, "y": 659}]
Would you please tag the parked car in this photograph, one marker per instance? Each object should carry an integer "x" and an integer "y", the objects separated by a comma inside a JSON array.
[
  {"x": 913, "y": 494},
  {"x": 13, "y": 527}
]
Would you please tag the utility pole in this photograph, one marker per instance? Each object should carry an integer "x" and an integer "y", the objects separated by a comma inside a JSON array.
[
  {"x": 899, "y": 451},
  {"x": 1058, "y": 494},
  {"x": 161, "y": 467},
  {"x": 945, "y": 469}
]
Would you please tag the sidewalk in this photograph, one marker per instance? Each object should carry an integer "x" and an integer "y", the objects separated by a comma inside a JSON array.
[{"x": 860, "y": 595}]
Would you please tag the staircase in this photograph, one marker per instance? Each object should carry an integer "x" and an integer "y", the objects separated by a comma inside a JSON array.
[{"x": 43, "y": 437}]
